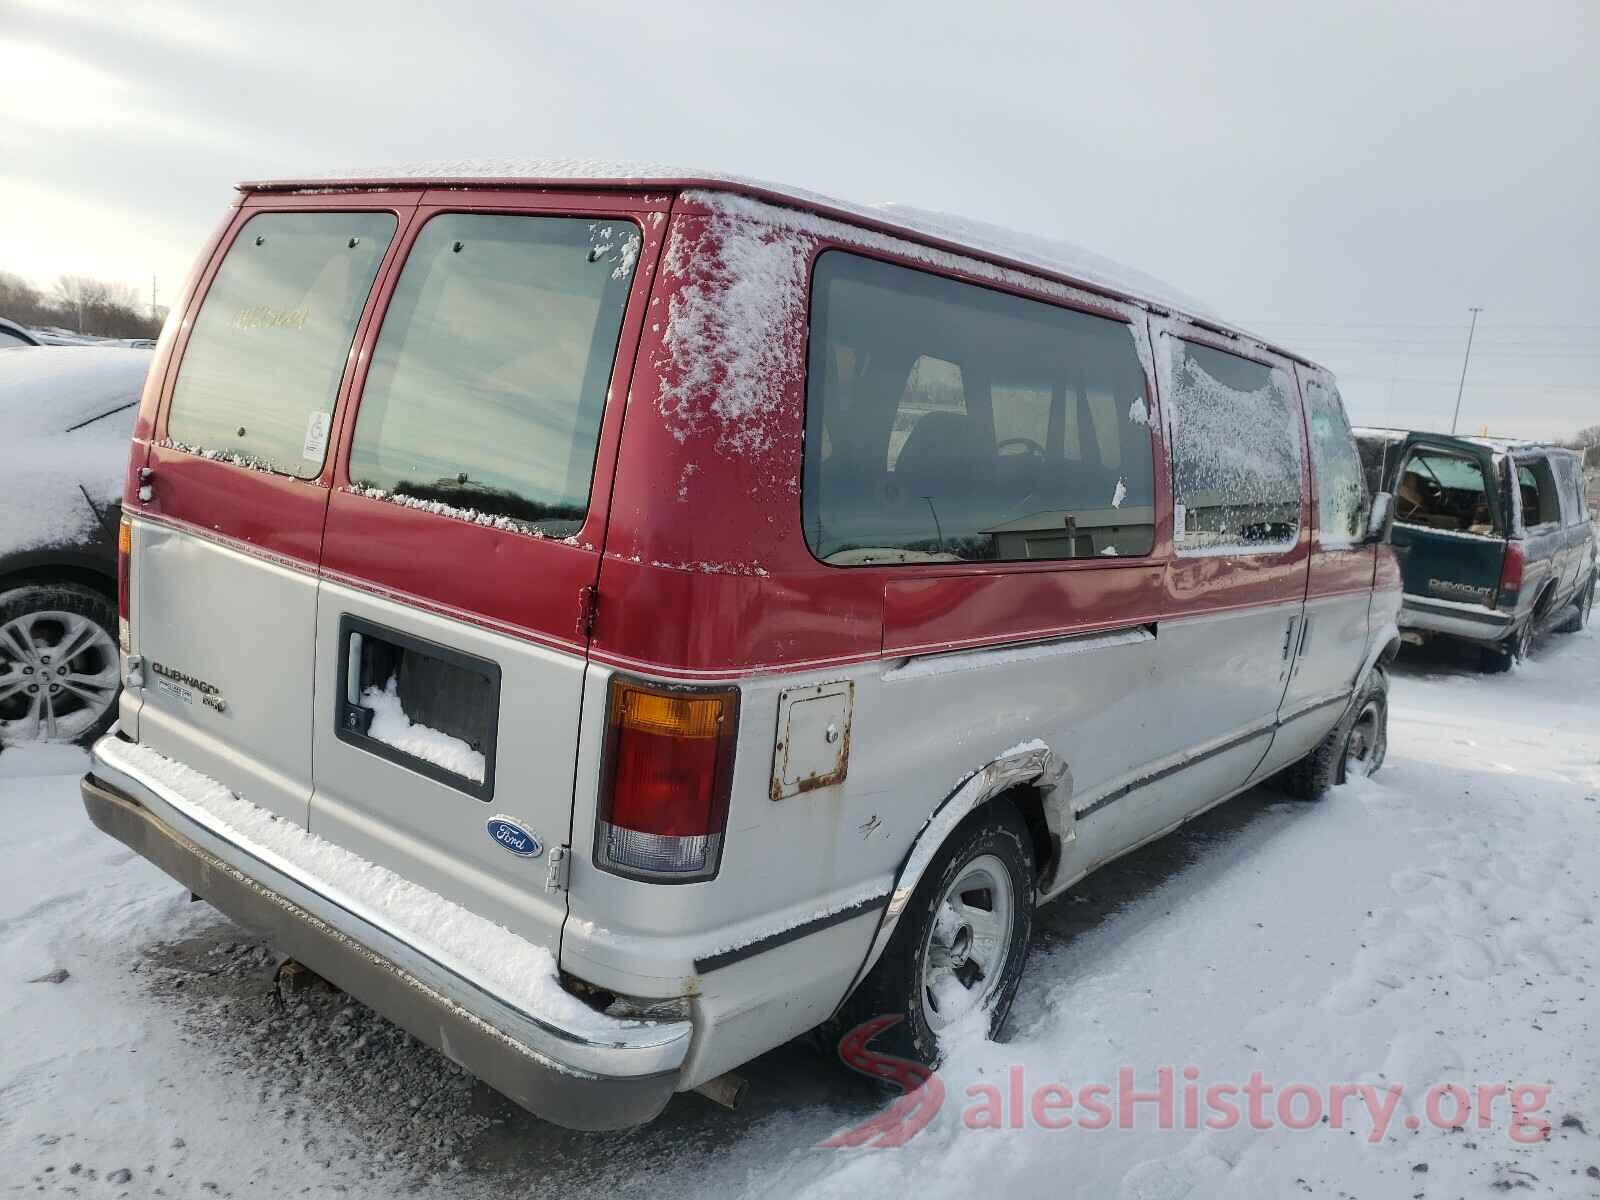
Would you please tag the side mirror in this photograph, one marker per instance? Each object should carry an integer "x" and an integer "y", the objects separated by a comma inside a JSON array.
[{"x": 1380, "y": 518}]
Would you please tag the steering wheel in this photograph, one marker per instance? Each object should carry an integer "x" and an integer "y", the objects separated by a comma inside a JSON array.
[{"x": 1034, "y": 449}]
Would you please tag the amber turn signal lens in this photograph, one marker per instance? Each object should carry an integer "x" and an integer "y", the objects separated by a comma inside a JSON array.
[{"x": 668, "y": 715}]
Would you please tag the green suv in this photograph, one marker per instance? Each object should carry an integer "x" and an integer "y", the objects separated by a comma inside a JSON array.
[{"x": 1495, "y": 537}]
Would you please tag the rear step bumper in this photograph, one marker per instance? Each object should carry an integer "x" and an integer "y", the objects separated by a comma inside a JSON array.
[
  {"x": 1474, "y": 622},
  {"x": 564, "y": 1076}
]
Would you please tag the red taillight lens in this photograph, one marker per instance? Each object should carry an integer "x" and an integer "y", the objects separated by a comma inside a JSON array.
[
  {"x": 1511, "y": 574},
  {"x": 124, "y": 583},
  {"x": 664, "y": 786}
]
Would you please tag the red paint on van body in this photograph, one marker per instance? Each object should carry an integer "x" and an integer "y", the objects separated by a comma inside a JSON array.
[{"x": 702, "y": 566}]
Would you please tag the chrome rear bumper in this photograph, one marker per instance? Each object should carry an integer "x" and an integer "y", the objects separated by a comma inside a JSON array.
[{"x": 568, "y": 1077}]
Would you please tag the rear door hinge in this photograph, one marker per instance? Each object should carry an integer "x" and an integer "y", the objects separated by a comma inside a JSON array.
[
  {"x": 555, "y": 879},
  {"x": 588, "y": 601}
]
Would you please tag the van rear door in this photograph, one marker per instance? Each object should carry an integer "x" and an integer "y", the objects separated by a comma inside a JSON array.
[
  {"x": 225, "y": 548},
  {"x": 463, "y": 544}
]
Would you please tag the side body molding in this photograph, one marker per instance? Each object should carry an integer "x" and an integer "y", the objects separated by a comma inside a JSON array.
[{"x": 1031, "y": 762}]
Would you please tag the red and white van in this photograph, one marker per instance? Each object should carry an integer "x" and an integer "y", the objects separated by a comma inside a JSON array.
[{"x": 613, "y": 622}]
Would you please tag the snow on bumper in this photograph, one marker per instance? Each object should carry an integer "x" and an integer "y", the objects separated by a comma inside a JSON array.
[{"x": 513, "y": 1027}]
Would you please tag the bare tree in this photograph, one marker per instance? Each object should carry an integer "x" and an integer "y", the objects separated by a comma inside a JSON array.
[{"x": 91, "y": 306}]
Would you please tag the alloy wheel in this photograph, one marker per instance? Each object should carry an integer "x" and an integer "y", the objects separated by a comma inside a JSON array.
[{"x": 59, "y": 675}]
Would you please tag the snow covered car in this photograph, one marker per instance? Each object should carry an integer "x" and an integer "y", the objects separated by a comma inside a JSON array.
[
  {"x": 14, "y": 336},
  {"x": 67, "y": 414},
  {"x": 1495, "y": 538},
  {"x": 613, "y": 623}
]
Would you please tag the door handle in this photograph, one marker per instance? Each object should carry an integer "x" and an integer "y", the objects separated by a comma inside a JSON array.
[{"x": 1288, "y": 637}]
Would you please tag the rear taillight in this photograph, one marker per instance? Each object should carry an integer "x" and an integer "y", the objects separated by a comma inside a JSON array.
[
  {"x": 1511, "y": 575},
  {"x": 665, "y": 781},
  {"x": 124, "y": 583}
]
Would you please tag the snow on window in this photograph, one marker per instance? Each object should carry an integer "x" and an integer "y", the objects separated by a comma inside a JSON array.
[
  {"x": 440, "y": 508},
  {"x": 392, "y": 727},
  {"x": 251, "y": 462},
  {"x": 1235, "y": 451},
  {"x": 1341, "y": 486}
]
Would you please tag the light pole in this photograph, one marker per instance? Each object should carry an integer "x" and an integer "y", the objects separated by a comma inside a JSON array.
[{"x": 1466, "y": 358}]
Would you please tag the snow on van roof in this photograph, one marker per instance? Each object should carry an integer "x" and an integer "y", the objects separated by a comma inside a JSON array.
[{"x": 978, "y": 238}]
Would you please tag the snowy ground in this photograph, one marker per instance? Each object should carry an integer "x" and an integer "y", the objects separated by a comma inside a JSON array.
[{"x": 1434, "y": 925}]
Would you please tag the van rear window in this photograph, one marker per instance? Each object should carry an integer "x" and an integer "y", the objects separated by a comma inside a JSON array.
[
  {"x": 1437, "y": 490},
  {"x": 946, "y": 422},
  {"x": 262, "y": 368},
  {"x": 491, "y": 370}
]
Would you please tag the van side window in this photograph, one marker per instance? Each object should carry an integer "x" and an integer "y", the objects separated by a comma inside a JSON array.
[
  {"x": 946, "y": 422},
  {"x": 1341, "y": 488},
  {"x": 262, "y": 368},
  {"x": 1235, "y": 452},
  {"x": 491, "y": 370},
  {"x": 1570, "y": 469},
  {"x": 1443, "y": 491}
]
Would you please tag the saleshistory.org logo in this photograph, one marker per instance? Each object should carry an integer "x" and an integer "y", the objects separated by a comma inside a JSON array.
[{"x": 1177, "y": 1099}]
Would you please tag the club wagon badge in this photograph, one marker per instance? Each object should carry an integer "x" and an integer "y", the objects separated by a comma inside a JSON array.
[{"x": 514, "y": 837}]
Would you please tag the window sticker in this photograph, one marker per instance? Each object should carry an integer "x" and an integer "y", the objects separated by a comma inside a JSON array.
[{"x": 316, "y": 443}]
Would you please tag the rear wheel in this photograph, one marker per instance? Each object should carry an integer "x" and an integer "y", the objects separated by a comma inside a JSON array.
[
  {"x": 1493, "y": 660},
  {"x": 1582, "y": 607},
  {"x": 960, "y": 944},
  {"x": 59, "y": 671}
]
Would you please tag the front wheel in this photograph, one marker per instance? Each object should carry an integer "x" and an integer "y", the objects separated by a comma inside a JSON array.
[
  {"x": 960, "y": 945},
  {"x": 1353, "y": 749},
  {"x": 1367, "y": 743}
]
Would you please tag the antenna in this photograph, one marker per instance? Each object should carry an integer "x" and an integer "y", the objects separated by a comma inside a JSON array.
[{"x": 1464, "y": 361}]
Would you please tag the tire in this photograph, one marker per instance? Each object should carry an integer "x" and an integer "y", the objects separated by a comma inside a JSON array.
[
  {"x": 43, "y": 697},
  {"x": 1329, "y": 764},
  {"x": 1581, "y": 608},
  {"x": 1366, "y": 742},
  {"x": 1501, "y": 657},
  {"x": 991, "y": 850}
]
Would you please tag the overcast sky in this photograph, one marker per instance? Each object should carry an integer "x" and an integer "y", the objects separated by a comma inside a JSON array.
[{"x": 1345, "y": 177}]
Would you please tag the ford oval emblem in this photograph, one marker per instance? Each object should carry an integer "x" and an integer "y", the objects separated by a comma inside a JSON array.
[{"x": 514, "y": 837}]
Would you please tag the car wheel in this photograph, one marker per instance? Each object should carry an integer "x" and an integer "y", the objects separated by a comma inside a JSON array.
[
  {"x": 961, "y": 942},
  {"x": 1367, "y": 742},
  {"x": 1354, "y": 747},
  {"x": 1501, "y": 657},
  {"x": 59, "y": 670},
  {"x": 1582, "y": 607}
]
